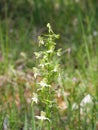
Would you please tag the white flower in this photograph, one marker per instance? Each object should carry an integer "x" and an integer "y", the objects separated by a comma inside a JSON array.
[
  {"x": 42, "y": 65},
  {"x": 36, "y": 72},
  {"x": 49, "y": 27},
  {"x": 56, "y": 68},
  {"x": 35, "y": 98},
  {"x": 50, "y": 51},
  {"x": 59, "y": 52},
  {"x": 42, "y": 116},
  {"x": 44, "y": 84},
  {"x": 41, "y": 40},
  {"x": 37, "y": 54}
]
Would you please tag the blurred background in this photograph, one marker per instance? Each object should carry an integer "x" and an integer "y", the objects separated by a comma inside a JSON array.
[{"x": 21, "y": 22}]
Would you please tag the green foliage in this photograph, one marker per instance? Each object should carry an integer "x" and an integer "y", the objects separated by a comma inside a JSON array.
[
  {"x": 48, "y": 70},
  {"x": 81, "y": 106},
  {"x": 59, "y": 100}
]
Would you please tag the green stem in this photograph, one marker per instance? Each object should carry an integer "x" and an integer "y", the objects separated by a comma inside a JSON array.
[
  {"x": 41, "y": 125},
  {"x": 33, "y": 120},
  {"x": 49, "y": 126}
]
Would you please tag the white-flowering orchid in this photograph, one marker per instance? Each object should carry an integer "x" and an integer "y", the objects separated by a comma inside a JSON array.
[
  {"x": 35, "y": 98},
  {"x": 59, "y": 52},
  {"x": 37, "y": 54},
  {"x": 56, "y": 68},
  {"x": 36, "y": 72},
  {"x": 49, "y": 27},
  {"x": 42, "y": 117},
  {"x": 41, "y": 40},
  {"x": 43, "y": 83}
]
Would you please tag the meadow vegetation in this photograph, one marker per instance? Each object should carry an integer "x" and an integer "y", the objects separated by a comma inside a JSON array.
[{"x": 48, "y": 74}]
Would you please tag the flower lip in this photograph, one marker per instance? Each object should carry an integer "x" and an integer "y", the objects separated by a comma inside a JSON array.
[
  {"x": 42, "y": 117},
  {"x": 35, "y": 98}
]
